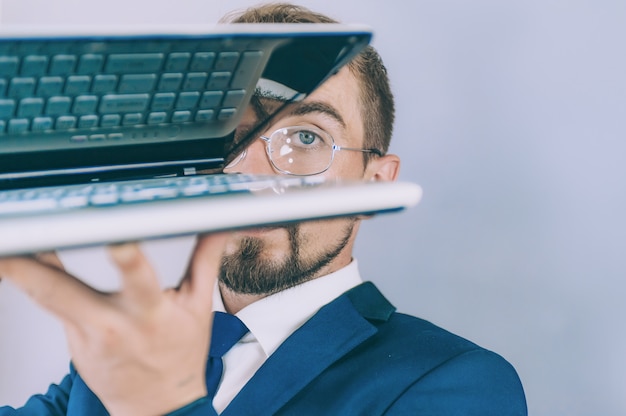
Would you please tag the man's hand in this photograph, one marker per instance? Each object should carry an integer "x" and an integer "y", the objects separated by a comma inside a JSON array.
[{"x": 142, "y": 350}]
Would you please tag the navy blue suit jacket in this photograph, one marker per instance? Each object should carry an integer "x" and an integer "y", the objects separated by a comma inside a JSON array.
[{"x": 356, "y": 356}]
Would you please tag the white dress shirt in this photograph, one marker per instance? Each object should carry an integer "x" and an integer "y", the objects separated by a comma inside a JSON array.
[{"x": 271, "y": 321}]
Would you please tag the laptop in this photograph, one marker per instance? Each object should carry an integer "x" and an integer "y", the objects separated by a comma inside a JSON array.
[{"x": 121, "y": 134}]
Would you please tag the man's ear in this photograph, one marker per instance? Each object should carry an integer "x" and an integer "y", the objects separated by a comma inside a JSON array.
[{"x": 383, "y": 168}]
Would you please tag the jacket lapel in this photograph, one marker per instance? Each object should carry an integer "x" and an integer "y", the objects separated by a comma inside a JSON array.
[
  {"x": 335, "y": 330},
  {"x": 82, "y": 400}
]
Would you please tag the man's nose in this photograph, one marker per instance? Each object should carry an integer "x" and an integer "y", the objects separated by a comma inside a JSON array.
[{"x": 256, "y": 161}]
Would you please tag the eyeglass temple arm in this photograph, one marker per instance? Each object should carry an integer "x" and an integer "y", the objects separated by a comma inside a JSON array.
[{"x": 356, "y": 149}]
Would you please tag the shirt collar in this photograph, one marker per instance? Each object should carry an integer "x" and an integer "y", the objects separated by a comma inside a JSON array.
[{"x": 273, "y": 319}]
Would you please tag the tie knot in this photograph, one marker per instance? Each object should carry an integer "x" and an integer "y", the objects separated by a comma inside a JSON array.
[{"x": 227, "y": 330}]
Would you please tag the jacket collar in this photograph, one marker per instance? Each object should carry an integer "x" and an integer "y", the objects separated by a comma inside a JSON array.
[{"x": 334, "y": 331}]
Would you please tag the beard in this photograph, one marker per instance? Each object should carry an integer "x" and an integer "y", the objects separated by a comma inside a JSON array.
[{"x": 246, "y": 271}]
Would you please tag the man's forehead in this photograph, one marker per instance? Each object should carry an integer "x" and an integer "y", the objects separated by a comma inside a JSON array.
[
  {"x": 263, "y": 111},
  {"x": 270, "y": 109},
  {"x": 273, "y": 101}
]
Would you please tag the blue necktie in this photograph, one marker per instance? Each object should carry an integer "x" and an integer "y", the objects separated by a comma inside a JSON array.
[{"x": 227, "y": 330}]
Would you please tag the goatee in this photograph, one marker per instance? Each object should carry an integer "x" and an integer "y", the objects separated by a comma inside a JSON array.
[{"x": 246, "y": 272}]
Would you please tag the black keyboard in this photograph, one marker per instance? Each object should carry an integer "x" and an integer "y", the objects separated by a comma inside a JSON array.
[{"x": 68, "y": 92}]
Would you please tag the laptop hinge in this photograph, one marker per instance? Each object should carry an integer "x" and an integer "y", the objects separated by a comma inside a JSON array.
[{"x": 108, "y": 173}]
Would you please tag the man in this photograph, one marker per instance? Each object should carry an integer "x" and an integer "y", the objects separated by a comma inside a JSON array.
[{"x": 320, "y": 341}]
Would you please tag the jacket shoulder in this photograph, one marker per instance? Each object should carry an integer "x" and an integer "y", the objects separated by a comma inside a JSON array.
[{"x": 425, "y": 367}]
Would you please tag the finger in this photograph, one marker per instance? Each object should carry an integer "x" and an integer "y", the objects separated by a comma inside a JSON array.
[
  {"x": 51, "y": 258},
  {"x": 204, "y": 269},
  {"x": 139, "y": 280},
  {"x": 56, "y": 291},
  {"x": 184, "y": 283}
]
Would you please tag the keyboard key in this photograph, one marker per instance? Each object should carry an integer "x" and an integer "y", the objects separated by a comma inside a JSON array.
[
  {"x": 75, "y": 197},
  {"x": 170, "y": 82},
  {"x": 234, "y": 98},
  {"x": 90, "y": 64},
  {"x": 137, "y": 83},
  {"x": 104, "y": 194},
  {"x": 249, "y": 63},
  {"x": 202, "y": 61},
  {"x": 226, "y": 114},
  {"x": 49, "y": 86},
  {"x": 104, "y": 198},
  {"x": 42, "y": 123},
  {"x": 88, "y": 121},
  {"x": 28, "y": 205},
  {"x": 219, "y": 81},
  {"x": 124, "y": 103},
  {"x": 134, "y": 194},
  {"x": 57, "y": 106},
  {"x": 132, "y": 119},
  {"x": 134, "y": 63},
  {"x": 34, "y": 65},
  {"x": 157, "y": 117},
  {"x": 18, "y": 125},
  {"x": 205, "y": 115},
  {"x": 21, "y": 87},
  {"x": 85, "y": 104},
  {"x": 181, "y": 116},
  {"x": 73, "y": 201},
  {"x": 30, "y": 107},
  {"x": 7, "y": 107},
  {"x": 163, "y": 101},
  {"x": 62, "y": 64},
  {"x": 104, "y": 83},
  {"x": 187, "y": 100},
  {"x": 8, "y": 65},
  {"x": 177, "y": 61},
  {"x": 110, "y": 120},
  {"x": 79, "y": 138},
  {"x": 211, "y": 99},
  {"x": 77, "y": 84},
  {"x": 226, "y": 61},
  {"x": 66, "y": 122},
  {"x": 195, "y": 81}
]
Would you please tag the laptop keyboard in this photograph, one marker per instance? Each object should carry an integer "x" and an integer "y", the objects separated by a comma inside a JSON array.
[
  {"x": 20, "y": 202},
  {"x": 70, "y": 93}
]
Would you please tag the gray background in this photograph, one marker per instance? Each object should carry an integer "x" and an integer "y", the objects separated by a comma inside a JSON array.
[{"x": 511, "y": 115}]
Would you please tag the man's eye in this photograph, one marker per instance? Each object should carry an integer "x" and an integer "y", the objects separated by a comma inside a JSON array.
[{"x": 306, "y": 137}]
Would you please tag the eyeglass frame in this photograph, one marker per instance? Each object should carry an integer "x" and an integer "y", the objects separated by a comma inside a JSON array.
[{"x": 334, "y": 148}]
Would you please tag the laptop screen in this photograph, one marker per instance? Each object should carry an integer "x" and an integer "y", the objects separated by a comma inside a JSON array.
[{"x": 82, "y": 107}]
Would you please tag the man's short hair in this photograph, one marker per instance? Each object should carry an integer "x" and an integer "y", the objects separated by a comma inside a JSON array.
[{"x": 376, "y": 98}]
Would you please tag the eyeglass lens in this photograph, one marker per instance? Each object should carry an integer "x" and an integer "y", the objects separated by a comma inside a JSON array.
[{"x": 300, "y": 151}]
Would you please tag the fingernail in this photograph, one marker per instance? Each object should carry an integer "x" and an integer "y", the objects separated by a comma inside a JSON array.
[{"x": 124, "y": 252}]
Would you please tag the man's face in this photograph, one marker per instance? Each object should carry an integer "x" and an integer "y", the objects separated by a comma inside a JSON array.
[{"x": 267, "y": 260}]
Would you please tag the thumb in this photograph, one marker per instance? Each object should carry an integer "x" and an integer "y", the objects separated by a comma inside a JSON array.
[{"x": 199, "y": 282}]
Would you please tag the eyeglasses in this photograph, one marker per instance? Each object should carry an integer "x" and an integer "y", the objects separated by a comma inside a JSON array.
[{"x": 301, "y": 151}]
